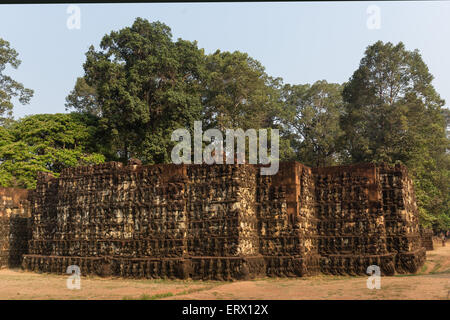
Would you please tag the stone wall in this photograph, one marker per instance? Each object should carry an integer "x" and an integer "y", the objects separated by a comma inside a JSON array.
[
  {"x": 287, "y": 221},
  {"x": 224, "y": 221},
  {"x": 14, "y": 226},
  {"x": 152, "y": 221},
  {"x": 401, "y": 218},
  {"x": 367, "y": 216},
  {"x": 427, "y": 239}
]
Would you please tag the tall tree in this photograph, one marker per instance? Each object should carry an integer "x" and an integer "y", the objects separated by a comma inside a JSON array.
[
  {"x": 146, "y": 85},
  {"x": 83, "y": 98},
  {"x": 394, "y": 114},
  {"x": 313, "y": 121},
  {"x": 390, "y": 84},
  {"x": 10, "y": 88},
  {"x": 238, "y": 92}
]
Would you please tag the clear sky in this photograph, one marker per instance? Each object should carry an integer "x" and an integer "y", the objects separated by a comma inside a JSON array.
[{"x": 299, "y": 42}]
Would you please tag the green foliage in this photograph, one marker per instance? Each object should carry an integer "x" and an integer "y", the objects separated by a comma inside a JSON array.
[
  {"x": 47, "y": 143},
  {"x": 10, "y": 88},
  {"x": 83, "y": 98},
  {"x": 238, "y": 92},
  {"x": 313, "y": 121},
  {"x": 146, "y": 86},
  {"x": 393, "y": 114},
  {"x": 432, "y": 185},
  {"x": 391, "y": 87},
  {"x": 141, "y": 85}
]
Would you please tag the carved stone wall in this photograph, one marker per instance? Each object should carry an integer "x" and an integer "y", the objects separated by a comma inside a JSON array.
[
  {"x": 401, "y": 218},
  {"x": 224, "y": 221},
  {"x": 148, "y": 221},
  {"x": 367, "y": 216},
  {"x": 14, "y": 226},
  {"x": 427, "y": 239},
  {"x": 287, "y": 221}
]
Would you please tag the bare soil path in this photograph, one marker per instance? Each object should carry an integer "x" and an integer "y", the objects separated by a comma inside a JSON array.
[{"x": 431, "y": 282}]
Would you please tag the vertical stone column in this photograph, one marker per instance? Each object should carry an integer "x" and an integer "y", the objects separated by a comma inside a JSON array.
[
  {"x": 401, "y": 218},
  {"x": 14, "y": 226},
  {"x": 223, "y": 238},
  {"x": 287, "y": 223},
  {"x": 427, "y": 239},
  {"x": 351, "y": 221}
]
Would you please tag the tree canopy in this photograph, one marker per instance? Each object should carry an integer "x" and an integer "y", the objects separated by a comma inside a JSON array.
[
  {"x": 9, "y": 88},
  {"x": 49, "y": 143},
  {"x": 146, "y": 85},
  {"x": 313, "y": 121},
  {"x": 83, "y": 98},
  {"x": 394, "y": 114},
  {"x": 238, "y": 93}
]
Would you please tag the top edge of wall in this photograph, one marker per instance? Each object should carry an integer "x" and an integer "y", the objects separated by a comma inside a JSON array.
[
  {"x": 136, "y": 166},
  {"x": 16, "y": 192},
  {"x": 118, "y": 166}
]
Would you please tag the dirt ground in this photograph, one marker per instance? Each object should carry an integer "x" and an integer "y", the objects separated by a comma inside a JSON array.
[{"x": 431, "y": 282}]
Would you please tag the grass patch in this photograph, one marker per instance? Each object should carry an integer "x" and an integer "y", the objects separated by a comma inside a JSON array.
[
  {"x": 424, "y": 268},
  {"x": 150, "y": 297},
  {"x": 193, "y": 290},
  {"x": 405, "y": 275},
  {"x": 168, "y": 294},
  {"x": 156, "y": 296},
  {"x": 436, "y": 268}
]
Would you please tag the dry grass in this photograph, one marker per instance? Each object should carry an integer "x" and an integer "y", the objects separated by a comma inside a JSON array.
[{"x": 431, "y": 282}]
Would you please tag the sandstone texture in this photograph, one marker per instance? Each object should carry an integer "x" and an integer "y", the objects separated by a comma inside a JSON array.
[
  {"x": 14, "y": 226},
  {"x": 427, "y": 239},
  {"x": 224, "y": 222}
]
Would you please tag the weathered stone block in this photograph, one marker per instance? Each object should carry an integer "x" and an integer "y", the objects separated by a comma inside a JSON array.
[
  {"x": 15, "y": 230},
  {"x": 224, "y": 221}
]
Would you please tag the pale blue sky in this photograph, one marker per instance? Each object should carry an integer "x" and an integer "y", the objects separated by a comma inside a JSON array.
[{"x": 300, "y": 42}]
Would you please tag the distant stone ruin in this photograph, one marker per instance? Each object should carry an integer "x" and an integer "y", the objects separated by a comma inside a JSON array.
[
  {"x": 224, "y": 222},
  {"x": 427, "y": 239}
]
